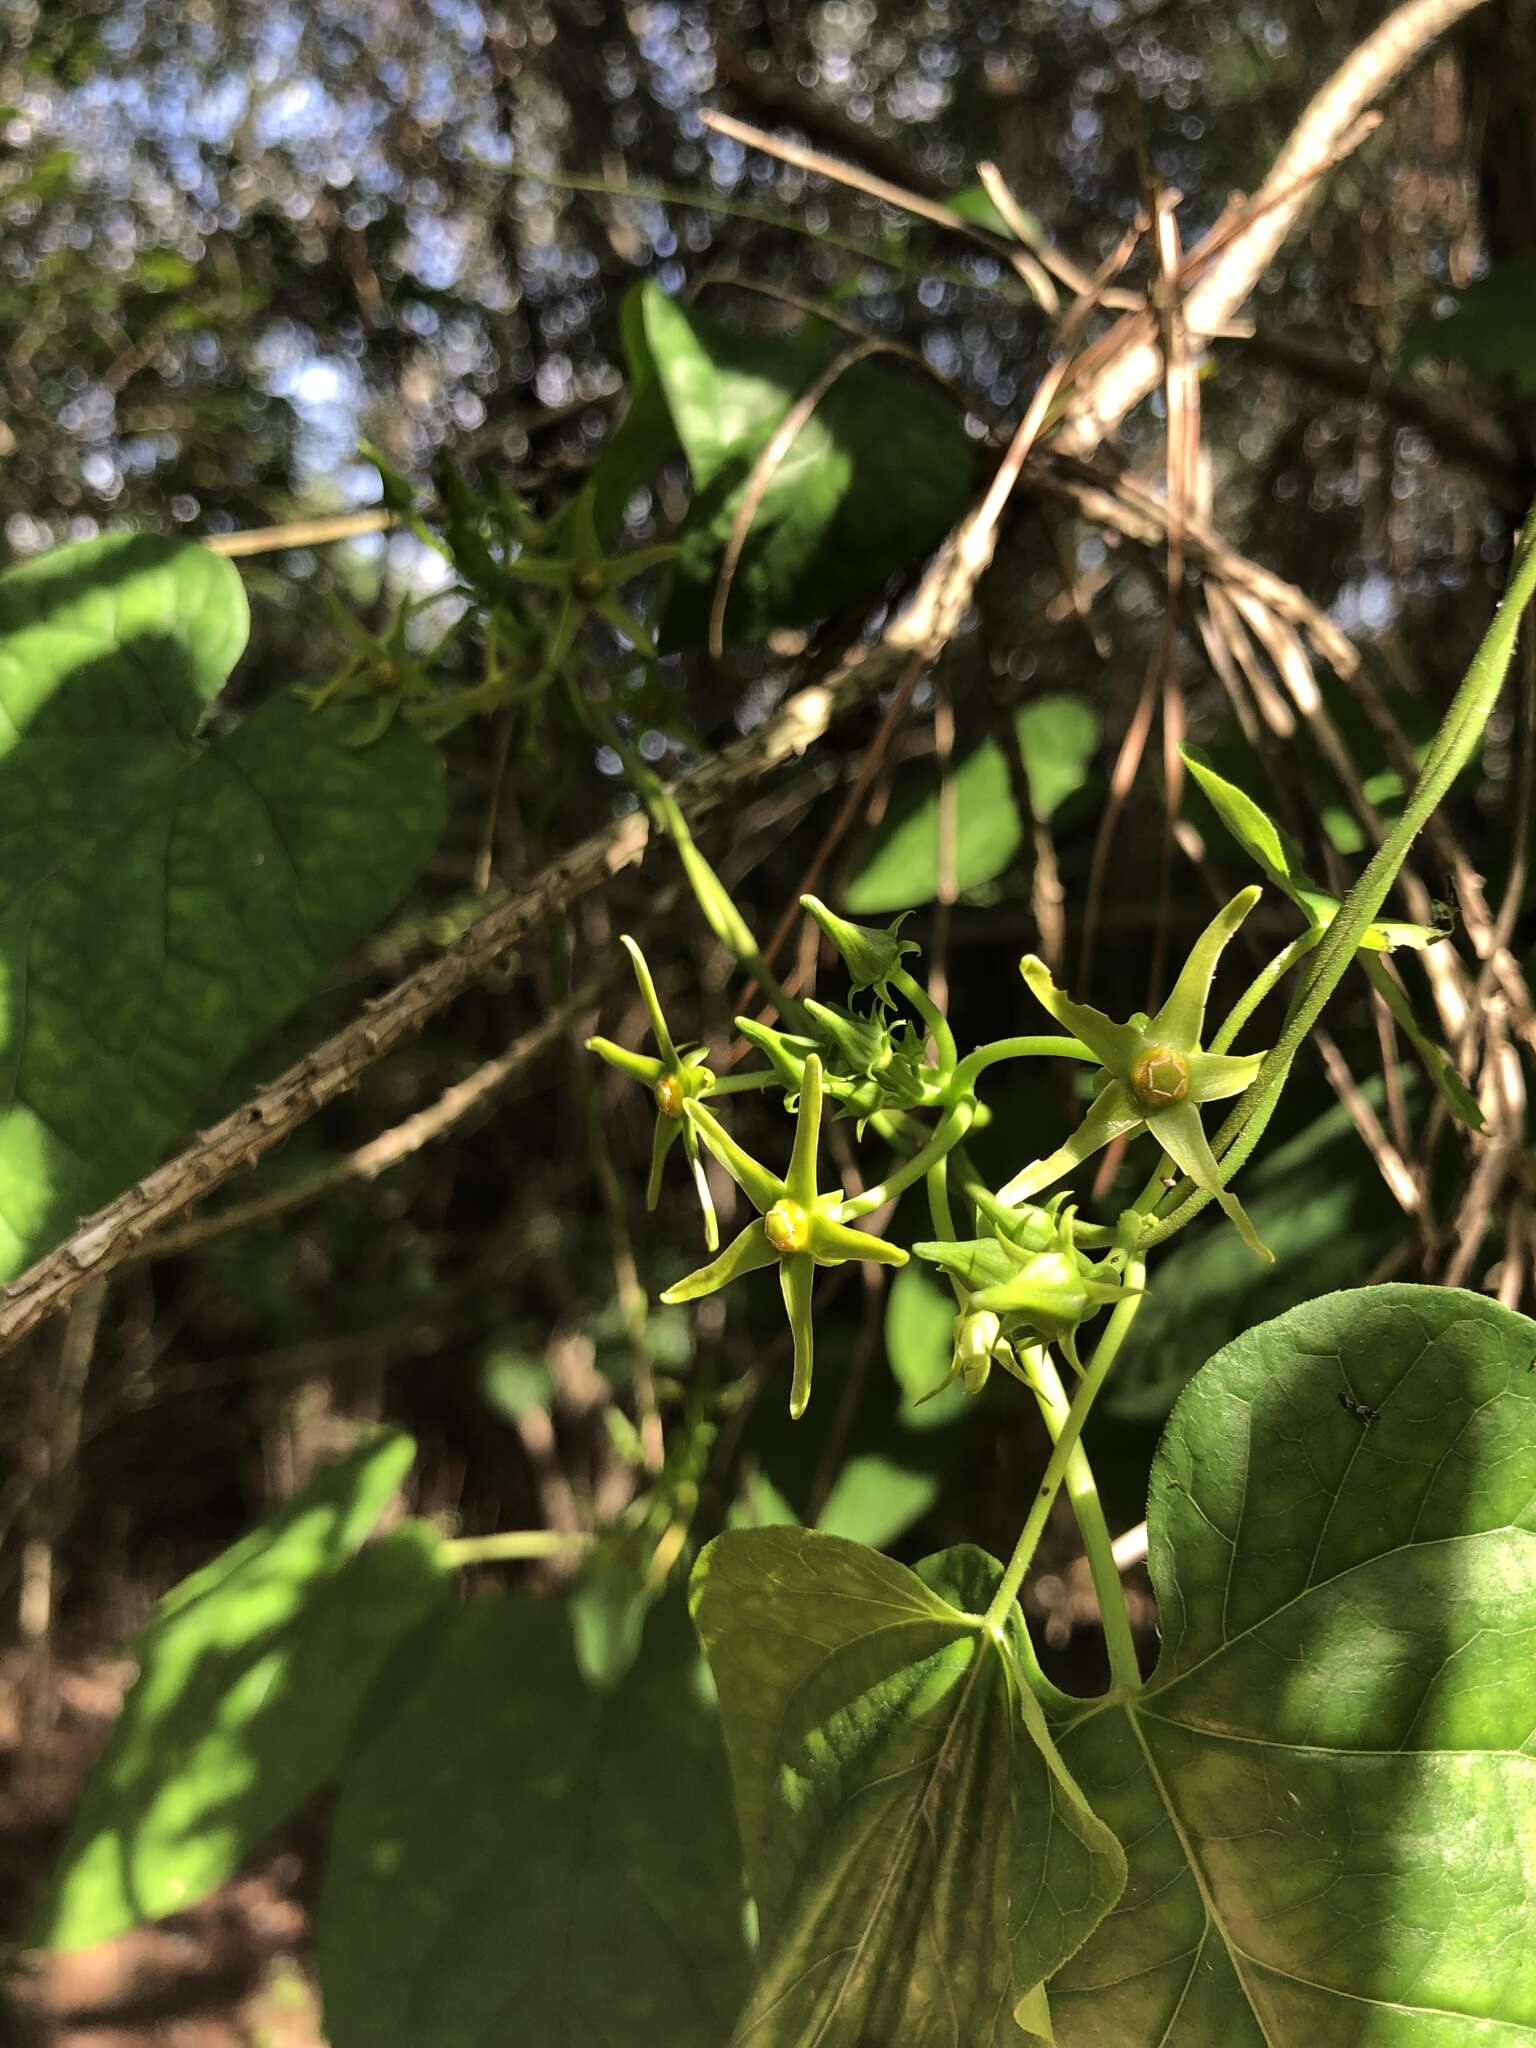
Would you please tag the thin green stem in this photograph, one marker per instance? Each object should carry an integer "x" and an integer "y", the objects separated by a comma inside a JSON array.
[
  {"x": 1452, "y": 749},
  {"x": 512, "y": 1546},
  {"x": 743, "y": 1083},
  {"x": 1046, "y": 1046},
  {"x": 1124, "y": 1665},
  {"x": 947, "y": 1135},
  {"x": 1106, "y": 1351},
  {"x": 1266, "y": 979},
  {"x": 938, "y": 1024}
]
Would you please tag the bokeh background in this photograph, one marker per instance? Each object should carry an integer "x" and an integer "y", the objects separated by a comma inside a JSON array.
[{"x": 246, "y": 248}]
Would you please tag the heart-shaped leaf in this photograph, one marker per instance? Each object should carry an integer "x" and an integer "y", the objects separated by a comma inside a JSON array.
[
  {"x": 875, "y": 477},
  {"x": 252, "y": 1678},
  {"x": 165, "y": 899},
  {"x": 519, "y": 1857},
  {"x": 920, "y": 1858},
  {"x": 1327, "y": 1790}
]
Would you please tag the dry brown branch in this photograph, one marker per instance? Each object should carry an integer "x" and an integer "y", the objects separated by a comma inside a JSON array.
[
  {"x": 453, "y": 1108},
  {"x": 1250, "y": 240},
  {"x": 772, "y": 93}
]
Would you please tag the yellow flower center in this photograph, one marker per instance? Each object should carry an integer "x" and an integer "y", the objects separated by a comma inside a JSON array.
[
  {"x": 1159, "y": 1077},
  {"x": 669, "y": 1095},
  {"x": 788, "y": 1226},
  {"x": 591, "y": 584}
]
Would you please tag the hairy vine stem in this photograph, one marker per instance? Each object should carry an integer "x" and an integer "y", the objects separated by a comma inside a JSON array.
[{"x": 1459, "y": 733}]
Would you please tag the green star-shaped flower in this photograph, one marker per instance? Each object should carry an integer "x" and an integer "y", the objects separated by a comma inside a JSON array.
[
  {"x": 674, "y": 1081},
  {"x": 588, "y": 580},
  {"x": 1158, "y": 1073},
  {"x": 795, "y": 1225}
]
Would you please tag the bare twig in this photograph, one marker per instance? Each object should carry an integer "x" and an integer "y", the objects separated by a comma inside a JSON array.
[
  {"x": 765, "y": 469},
  {"x": 300, "y": 533},
  {"x": 452, "y": 1109},
  {"x": 1246, "y": 241}
]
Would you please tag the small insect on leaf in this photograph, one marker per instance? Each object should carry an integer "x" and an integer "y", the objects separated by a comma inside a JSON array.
[{"x": 1358, "y": 1409}]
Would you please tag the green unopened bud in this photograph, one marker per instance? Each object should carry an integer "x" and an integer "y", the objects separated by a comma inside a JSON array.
[
  {"x": 1159, "y": 1077},
  {"x": 786, "y": 1051},
  {"x": 978, "y": 1340},
  {"x": 870, "y": 955},
  {"x": 860, "y": 1045}
]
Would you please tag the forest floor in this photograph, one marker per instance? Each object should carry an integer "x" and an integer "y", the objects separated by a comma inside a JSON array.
[{"x": 232, "y": 1974}]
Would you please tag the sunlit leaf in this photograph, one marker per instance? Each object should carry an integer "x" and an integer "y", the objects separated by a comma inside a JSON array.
[
  {"x": 876, "y": 477},
  {"x": 166, "y": 899},
  {"x": 517, "y": 1857},
  {"x": 919, "y": 1858},
  {"x": 1327, "y": 1790},
  {"x": 252, "y": 1677}
]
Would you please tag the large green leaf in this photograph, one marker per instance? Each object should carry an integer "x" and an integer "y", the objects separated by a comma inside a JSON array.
[
  {"x": 165, "y": 900},
  {"x": 919, "y": 1857},
  {"x": 1317, "y": 1201},
  {"x": 1491, "y": 327},
  {"x": 252, "y": 1676},
  {"x": 876, "y": 476},
  {"x": 1327, "y": 1790},
  {"x": 519, "y": 1858},
  {"x": 1058, "y": 736}
]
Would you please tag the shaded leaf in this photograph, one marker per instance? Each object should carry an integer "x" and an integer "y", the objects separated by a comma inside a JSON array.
[
  {"x": 919, "y": 1333},
  {"x": 874, "y": 1499},
  {"x": 165, "y": 901},
  {"x": 875, "y": 478},
  {"x": 919, "y": 1859},
  {"x": 519, "y": 1858},
  {"x": 1058, "y": 736},
  {"x": 1327, "y": 1788},
  {"x": 1279, "y": 856},
  {"x": 252, "y": 1676},
  {"x": 1491, "y": 327}
]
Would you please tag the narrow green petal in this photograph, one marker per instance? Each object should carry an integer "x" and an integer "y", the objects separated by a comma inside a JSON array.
[
  {"x": 625, "y": 623},
  {"x": 550, "y": 572},
  {"x": 638, "y": 1065},
  {"x": 745, "y": 1254},
  {"x": 649, "y": 997},
  {"x": 1113, "y": 1045},
  {"x": 701, "y": 1184},
  {"x": 1182, "y": 1136},
  {"x": 586, "y": 546},
  {"x": 797, "y": 1276},
  {"x": 668, "y": 1130},
  {"x": 834, "y": 1243},
  {"x": 1215, "y": 1075},
  {"x": 1112, "y": 1114},
  {"x": 1181, "y": 1020},
  {"x": 761, "y": 1187},
  {"x": 800, "y": 1181}
]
